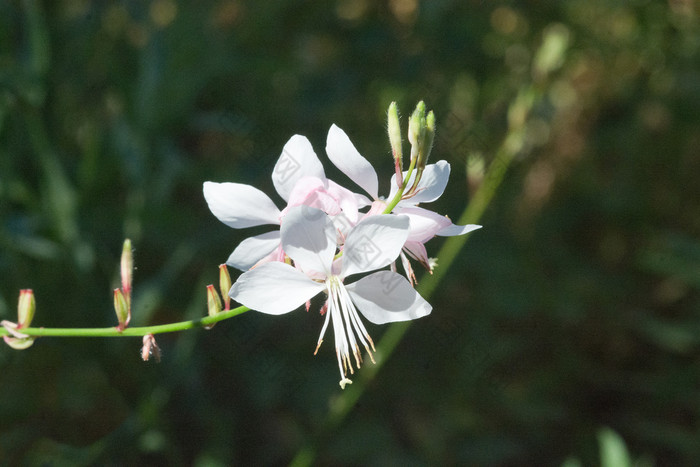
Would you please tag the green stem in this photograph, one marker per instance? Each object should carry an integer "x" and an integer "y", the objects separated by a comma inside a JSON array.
[
  {"x": 399, "y": 194},
  {"x": 130, "y": 332}
]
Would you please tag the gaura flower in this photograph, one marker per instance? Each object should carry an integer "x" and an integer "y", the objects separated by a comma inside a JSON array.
[
  {"x": 299, "y": 179},
  {"x": 424, "y": 224},
  {"x": 309, "y": 239}
]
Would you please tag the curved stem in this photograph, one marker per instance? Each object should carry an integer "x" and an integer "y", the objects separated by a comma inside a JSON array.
[
  {"x": 130, "y": 332},
  {"x": 399, "y": 194}
]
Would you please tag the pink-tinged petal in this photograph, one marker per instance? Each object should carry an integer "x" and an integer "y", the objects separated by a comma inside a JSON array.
[
  {"x": 274, "y": 288},
  {"x": 424, "y": 224},
  {"x": 253, "y": 249},
  {"x": 373, "y": 243},
  {"x": 343, "y": 154},
  {"x": 297, "y": 160},
  {"x": 309, "y": 238},
  {"x": 240, "y": 206},
  {"x": 348, "y": 201},
  {"x": 453, "y": 230},
  {"x": 417, "y": 251},
  {"x": 386, "y": 297},
  {"x": 312, "y": 192},
  {"x": 431, "y": 185}
]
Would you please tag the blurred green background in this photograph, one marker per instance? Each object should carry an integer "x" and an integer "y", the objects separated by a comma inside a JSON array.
[{"x": 570, "y": 322}]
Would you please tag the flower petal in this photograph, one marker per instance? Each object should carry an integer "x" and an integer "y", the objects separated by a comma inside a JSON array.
[
  {"x": 297, "y": 160},
  {"x": 453, "y": 230},
  {"x": 386, "y": 297},
  {"x": 343, "y": 154},
  {"x": 240, "y": 206},
  {"x": 274, "y": 288},
  {"x": 431, "y": 185},
  {"x": 373, "y": 243},
  {"x": 312, "y": 192},
  {"x": 309, "y": 238},
  {"x": 253, "y": 249},
  {"x": 424, "y": 224}
]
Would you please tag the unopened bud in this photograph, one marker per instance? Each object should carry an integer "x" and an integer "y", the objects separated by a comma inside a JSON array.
[
  {"x": 213, "y": 301},
  {"x": 416, "y": 125},
  {"x": 26, "y": 305},
  {"x": 394, "y": 130},
  {"x": 121, "y": 307},
  {"x": 426, "y": 144},
  {"x": 127, "y": 270},
  {"x": 225, "y": 285}
]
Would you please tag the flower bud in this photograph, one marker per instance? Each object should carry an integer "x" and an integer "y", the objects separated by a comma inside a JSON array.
[
  {"x": 121, "y": 307},
  {"x": 225, "y": 285},
  {"x": 426, "y": 144},
  {"x": 127, "y": 270},
  {"x": 394, "y": 130},
  {"x": 213, "y": 301},
  {"x": 26, "y": 305},
  {"x": 416, "y": 125}
]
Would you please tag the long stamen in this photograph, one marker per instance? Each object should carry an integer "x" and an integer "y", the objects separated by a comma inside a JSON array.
[
  {"x": 357, "y": 323},
  {"x": 341, "y": 342},
  {"x": 323, "y": 329}
]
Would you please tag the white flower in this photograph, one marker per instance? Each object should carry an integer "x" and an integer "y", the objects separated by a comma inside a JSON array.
[
  {"x": 299, "y": 179},
  {"x": 309, "y": 238},
  {"x": 424, "y": 224}
]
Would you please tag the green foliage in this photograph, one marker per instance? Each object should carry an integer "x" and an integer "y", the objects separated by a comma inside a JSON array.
[{"x": 576, "y": 307}]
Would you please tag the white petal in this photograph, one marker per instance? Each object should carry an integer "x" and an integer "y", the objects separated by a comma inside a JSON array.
[
  {"x": 240, "y": 206},
  {"x": 253, "y": 249},
  {"x": 309, "y": 238},
  {"x": 373, "y": 243},
  {"x": 453, "y": 230},
  {"x": 297, "y": 160},
  {"x": 274, "y": 288},
  {"x": 431, "y": 185},
  {"x": 343, "y": 154},
  {"x": 386, "y": 297},
  {"x": 424, "y": 224}
]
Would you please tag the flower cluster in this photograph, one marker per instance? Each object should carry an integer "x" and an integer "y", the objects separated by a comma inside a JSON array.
[{"x": 328, "y": 233}]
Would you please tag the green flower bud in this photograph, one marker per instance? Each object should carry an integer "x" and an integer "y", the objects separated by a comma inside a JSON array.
[
  {"x": 416, "y": 125},
  {"x": 426, "y": 144},
  {"x": 394, "y": 130},
  {"x": 26, "y": 306},
  {"x": 121, "y": 307},
  {"x": 213, "y": 301}
]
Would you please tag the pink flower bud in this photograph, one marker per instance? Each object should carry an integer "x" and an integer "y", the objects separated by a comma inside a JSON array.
[
  {"x": 127, "y": 271},
  {"x": 225, "y": 285}
]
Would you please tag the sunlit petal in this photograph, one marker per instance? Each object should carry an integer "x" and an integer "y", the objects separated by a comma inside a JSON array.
[
  {"x": 309, "y": 238},
  {"x": 239, "y": 206},
  {"x": 373, "y": 243},
  {"x": 343, "y": 154},
  {"x": 431, "y": 185},
  {"x": 297, "y": 160},
  {"x": 253, "y": 249},
  {"x": 453, "y": 230},
  {"x": 386, "y": 297},
  {"x": 274, "y": 288}
]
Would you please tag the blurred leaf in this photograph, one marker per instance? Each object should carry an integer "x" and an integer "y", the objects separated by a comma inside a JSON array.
[{"x": 613, "y": 452}]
